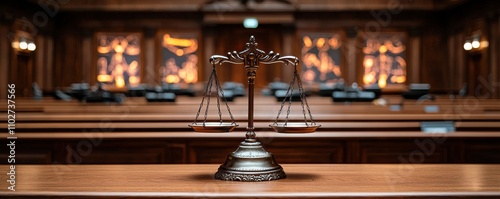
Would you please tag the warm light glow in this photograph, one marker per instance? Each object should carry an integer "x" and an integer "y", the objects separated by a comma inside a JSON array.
[
  {"x": 382, "y": 81},
  {"x": 467, "y": 45},
  {"x": 23, "y": 45},
  {"x": 134, "y": 81},
  {"x": 398, "y": 79},
  {"x": 384, "y": 64},
  {"x": 190, "y": 78},
  {"x": 15, "y": 44},
  {"x": 334, "y": 42},
  {"x": 119, "y": 82},
  {"x": 307, "y": 41},
  {"x": 172, "y": 79},
  {"x": 177, "y": 41},
  {"x": 368, "y": 63},
  {"x": 118, "y": 60},
  {"x": 475, "y": 43},
  {"x": 181, "y": 65},
  {"x": 484, "y": 44},
  {"x": 382, "y": 49},
  {"x": 368, "y": 78},
  {"x": 320, "y": 42},
  {"x": 179, "y": 52},
  {"x": 103, "y": 49},
  {"x": 31, "y": 46},
  {"x": 104, "y": 78}
]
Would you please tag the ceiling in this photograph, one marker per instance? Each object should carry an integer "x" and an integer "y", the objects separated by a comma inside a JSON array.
[{"x": 252, "y": 5}]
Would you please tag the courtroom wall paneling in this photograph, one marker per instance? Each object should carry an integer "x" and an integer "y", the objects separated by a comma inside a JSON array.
[
  {"x": 98, "y": 151},
  {"x": 5, "y": 49},
  {"x": 477, "y": 151},
  {"x": 404, "y": 151},
  {"x": 230, "y": 37},
  {"x": 434, "y": 69}
]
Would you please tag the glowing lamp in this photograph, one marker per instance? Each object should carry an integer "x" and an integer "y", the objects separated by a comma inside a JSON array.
[
  {"x": 467, "y": 45},
  {"x": 250, "y": 22},
  {"x": 31, "y": 46},
  {"x": 475, "y": 43},
  {"x": 23, "y": 45},
  {"x": 104, "y": 78}
]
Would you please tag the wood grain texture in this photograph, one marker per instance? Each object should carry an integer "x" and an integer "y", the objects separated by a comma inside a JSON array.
[{"x": 303, "y": 181}]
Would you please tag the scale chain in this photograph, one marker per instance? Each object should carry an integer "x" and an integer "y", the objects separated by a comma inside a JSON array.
[
  {"x": 203, "y": 100},
  {"x": 218, "y": 91},
  {"x": 209, "y": 88},
  {"x": 304, "y": 99},
  {"x": 289, "y": 94},
  {"x": 221, "y": 92}
]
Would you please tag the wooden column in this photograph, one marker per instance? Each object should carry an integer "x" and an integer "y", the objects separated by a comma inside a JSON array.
[
  {"x": 494, "y": 45},
  {"x": 205, "y": 66},
  {"x": 151, "y": 73},
  {"x": 5, "y": 48},
  {"x": 48, "y": 71},
  {"x": 460, "y": 60},
  {"x": 452, "y": 52},
  {"x": 287, "y": 71},
  {"x": 39, "y": 60},
  {"x": 413, "y": 66},
  {"x": 88, "y": 67},
  {"x": 352, "y": 50}
]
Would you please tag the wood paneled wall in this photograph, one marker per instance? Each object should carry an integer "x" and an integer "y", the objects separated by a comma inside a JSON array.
[
  {"x": 435, "y": 55},
  {"x": 478, "y": 68}
]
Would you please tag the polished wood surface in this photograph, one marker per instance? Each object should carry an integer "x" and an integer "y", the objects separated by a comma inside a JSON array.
[
  {"x": 303, "y": 181},
  {"x": 180, "y": 147},
  {"x": 260, "y": 134}
]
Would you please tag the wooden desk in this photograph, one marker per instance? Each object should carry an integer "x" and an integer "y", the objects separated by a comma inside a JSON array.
[{"x": 303, "y": 181}]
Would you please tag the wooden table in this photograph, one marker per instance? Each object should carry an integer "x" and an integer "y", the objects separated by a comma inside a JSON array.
[{"x": 303, "y": 181}]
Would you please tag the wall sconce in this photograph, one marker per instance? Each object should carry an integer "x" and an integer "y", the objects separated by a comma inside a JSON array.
[
  {"x": 467, "y": 45},
  {"x": 23, "y": 42},
  {"x": 474, "y": 43}
]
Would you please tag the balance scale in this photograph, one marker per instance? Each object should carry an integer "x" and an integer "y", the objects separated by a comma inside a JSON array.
[{"x": 250, "y": 162}]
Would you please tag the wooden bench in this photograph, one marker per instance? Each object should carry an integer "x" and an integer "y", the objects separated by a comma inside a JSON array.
[{"x": 145, "y": 147}]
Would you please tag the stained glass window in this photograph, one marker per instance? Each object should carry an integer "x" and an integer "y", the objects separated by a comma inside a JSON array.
[
  {"x": 384, "y": 61},
  {"x": 118, "y": 58},
  {"x": 179, "y": 58},
  {"x": 321, "y": 55}
]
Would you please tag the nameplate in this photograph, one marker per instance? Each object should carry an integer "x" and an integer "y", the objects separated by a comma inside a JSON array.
[
  {"x": 396, "y": 107},
  {"x": 431, "y": 108},
  {"x": 437, "y": 127}
]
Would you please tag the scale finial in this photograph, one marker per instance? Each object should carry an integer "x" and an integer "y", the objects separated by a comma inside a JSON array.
[{"x": 252, "y": 39}]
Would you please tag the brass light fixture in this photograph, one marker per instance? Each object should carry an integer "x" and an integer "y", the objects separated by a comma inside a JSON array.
[{"x": 23, "y": 42}]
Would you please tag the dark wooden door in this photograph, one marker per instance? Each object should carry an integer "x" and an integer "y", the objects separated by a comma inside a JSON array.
[{"x": 22, "y": 74}]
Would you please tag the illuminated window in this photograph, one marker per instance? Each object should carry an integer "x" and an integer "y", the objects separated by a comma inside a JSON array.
[
  {"x": 179, "y": 58},
  {"x": 321, "y": 55},
  {"x": 384, "y": 61},
  {"x": 118, "y": 58}
]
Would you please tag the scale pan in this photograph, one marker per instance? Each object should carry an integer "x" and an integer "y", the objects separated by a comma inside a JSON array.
[
  {"x": 294, "y": 127},
  {"x": 214, "y": 127}
]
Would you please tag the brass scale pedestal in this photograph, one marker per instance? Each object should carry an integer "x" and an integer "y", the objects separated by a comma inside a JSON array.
[{"x": 250, "y": 162}]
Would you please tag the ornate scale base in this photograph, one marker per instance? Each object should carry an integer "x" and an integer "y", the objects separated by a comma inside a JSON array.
[{"x": 251, "y": 163}]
